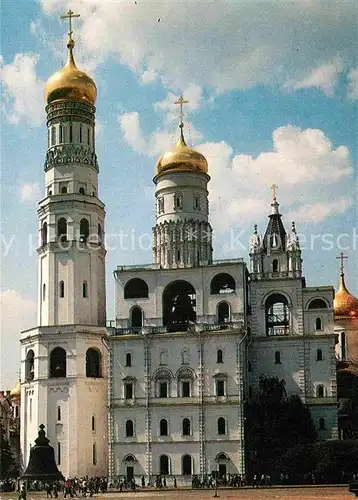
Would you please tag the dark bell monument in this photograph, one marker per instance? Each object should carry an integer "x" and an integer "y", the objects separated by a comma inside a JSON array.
[{"x": 42, "y": 465}]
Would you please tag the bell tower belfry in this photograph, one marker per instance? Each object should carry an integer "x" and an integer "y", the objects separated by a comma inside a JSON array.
[{"x": 64, "y": 381}]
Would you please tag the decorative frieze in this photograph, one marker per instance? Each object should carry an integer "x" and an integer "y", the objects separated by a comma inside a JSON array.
[{"x": 68, "y": 154}]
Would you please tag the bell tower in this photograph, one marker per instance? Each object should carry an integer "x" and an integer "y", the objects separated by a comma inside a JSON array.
[{"x": 64, "y": 358}]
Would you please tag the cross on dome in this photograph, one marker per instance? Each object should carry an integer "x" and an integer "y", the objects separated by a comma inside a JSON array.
[
  {"x": 341, "y": 257},
  {"x": 181, "y": 101},
  {"x": 273, "y": 189},
  {"x": 69, "y": 15}
]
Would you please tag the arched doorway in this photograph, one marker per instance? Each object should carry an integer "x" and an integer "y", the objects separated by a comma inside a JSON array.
[
  {"x": 136, "y": 317},
  {"x": 223, "y": 312},
  {"x": 58, "y": 363},
  {"x": 93, "y": 363},
  {"x": 186, "y": 468},
  {"x": 163, "y": 465},
  {"x": 179, "y": 306},
  {"x": 277, "y": 315}
]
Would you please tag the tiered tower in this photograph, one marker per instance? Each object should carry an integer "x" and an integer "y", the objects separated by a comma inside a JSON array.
[
  {"x": 182, "y": 236},
  {"x": 64, "y": 358}
]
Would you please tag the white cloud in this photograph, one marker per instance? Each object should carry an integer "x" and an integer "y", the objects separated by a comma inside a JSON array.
[
  {"x": 17, "y": 314},
  {"x": 325, "y": 77},
  {"x": 353, "y": 83},
  {"x": 23, "y": 90},
  {"x": 234, "y": 45},
  {"x": 30, "y": 192},
  {"x": 193, "y": 94}
]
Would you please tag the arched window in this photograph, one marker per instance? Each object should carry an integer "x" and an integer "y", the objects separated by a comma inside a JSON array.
[
  {"x": 128, "y": 359},
  {"x": 318, "y": 324},
  {"x": 88, "y": 136},
  {"x": 136, "y": 317},
  {"x": 81, "y": 190},
  {"x": 100, "y": 235},
  {"x": 163, "y": 357},
  {"x": 186, "y": 467},
  {"x": 320, "y": 391},
  {"x": 84, "y": 289},
  {"x": 44, "y": 234},
  {"x": 71, "y": 133},
  {"x": 58, "y": 363},
  {"x": 53, "y": 136},
  {"x": 84, "y": 230},
  {"x": 163, "y": 427},
  {"x": 221, "y": 426},
  {"x": 322, "y": 424},
  {"x": 93, "y": 363},
  {"x": 222, "y": 283},
  {"x": 184, "y": 357},
  {"x": 186, "y": 427},
  {"x": 94, "y": 454},
  {"x": 59, "y": 413},
  {"x": 277, "y": 358},
  {"x": 277, "y": 315},
  {"x": 64, "y": 190},
  {"x": 58, "y": 453},
  {"x": 319, "y": 355},
  {"x": 219, "y": 356},
  {"x": 317, "y": 304},
  {"x": 136, "y": 288},
  {"x": 62, "y": 289},
  {"x": 29, "y": 366},
  {"x": 80, "y": 133},
  {"x": 275, "y": 266},
  {"x": 61, "y": 134},
  {"x": 62, "y": 229},
  {"x": 129, "y": 428},
  {"x": 93, "y": 423},
  {"x": 179, "y": 304},
  {"x": 44, "y": 292},
  {"x": 223, "y": 312},
  {"x": 163, "y": 465}
]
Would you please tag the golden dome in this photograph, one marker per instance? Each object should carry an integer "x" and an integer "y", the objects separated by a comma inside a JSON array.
[
  {"x": 15, "y": 393},
  {"x": 70, "y": 83},
  {"x": 182, "y": 158},
  {"x": 345, "y": 304}
]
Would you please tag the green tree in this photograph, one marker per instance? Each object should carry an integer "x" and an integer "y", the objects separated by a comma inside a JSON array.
[{"x": 7, "y": 461}]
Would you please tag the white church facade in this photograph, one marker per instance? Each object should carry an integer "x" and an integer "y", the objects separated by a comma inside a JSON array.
[{"x": 162, "y": 390}]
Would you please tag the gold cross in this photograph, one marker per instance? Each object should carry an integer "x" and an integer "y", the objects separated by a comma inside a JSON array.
[
  {"x": 69, "y": 15},
  {"x": 273, "y": 188},
  {"x": 181, "y": 101},
  {"x": 341, "y": 257}
]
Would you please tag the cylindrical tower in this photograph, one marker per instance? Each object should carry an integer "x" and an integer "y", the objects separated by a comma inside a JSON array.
[{"x": 182, "y": 236}]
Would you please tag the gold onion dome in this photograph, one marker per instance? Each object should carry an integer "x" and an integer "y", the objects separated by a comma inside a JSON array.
[
  {"x": 182, "y": 158},
  {"x": 70, "y": 83},
  {"x": 15, "y": 393},
  {"x": 345, "y": 304}
]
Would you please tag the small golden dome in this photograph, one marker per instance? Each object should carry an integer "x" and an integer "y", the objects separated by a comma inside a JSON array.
[
  {"x": 345, "y": 304},
  {"x": 182, "y": 158},
  {"x": 70, "y": 83},
  {"x": 15, "y": 393}
]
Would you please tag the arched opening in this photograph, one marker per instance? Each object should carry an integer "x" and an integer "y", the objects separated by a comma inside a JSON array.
[
  {"x": 179, "y": 304},
  {"x": 129, "y": 428},
  {"x": 163, "y": 427},
  {"x": 317, "y": 304},
  {"x": 93, "y": 423},
  {"x": 59, "y": 413},
  {"x": 318, "y": 324},
  {"x": 93, "y": 363},
  {"x": 80, "y": 134},
  {"x": 64, "y": 190},
  {"x": 62, "y": 289},
  {"x": 222, "y": 283},
  {"x": 163, "y": 357},
  {"x": 136, "y": 288},
  {"x": 58, "y": 363},
  {"x": 187, "y": 465},
  {"x": 320, "y": 391},
  {"x": 29, "y": 366},
  {"x": 62, "y": 229},
  {"x": 61, "y": 134},
  {"x": 219, "y": 356},
  {"x": 53, "y": 136},
  {"x": 44, "y": 292},
  {"x": 84, "y": 230},
  {"x": 99, "y": 231},
  {"x": 221, "y": 426},
  {"x": 163, "y": 465},
  {"x": 81, "y": 190},
  {"x": 71, "y": 133},
  {"x": 128, "y": 359},
  {"x": 185, "y": 378},
  {"x": 44, "y": 234},
  {"x": 343, "y": 346},
  {"x": 223, "y": 312},
  {"x": 277, "y": 315},
  {"x": 184, "y": 357},
  {"x": 186, "y": 427},
  {"x": 319, "y": 356},
  {"x": 136, "y": 317},
  {"x": 277, "y": 358},
  {"x": 322, "y": 424},
  {"x": 275, "y": 266},
  {"x": 84, "y": 289}
]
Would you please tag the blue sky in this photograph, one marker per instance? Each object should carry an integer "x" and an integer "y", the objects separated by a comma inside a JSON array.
[{"x": 272, "y": 89}]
